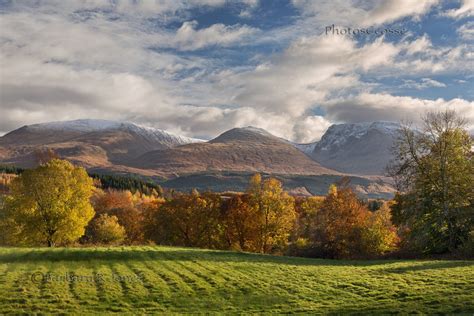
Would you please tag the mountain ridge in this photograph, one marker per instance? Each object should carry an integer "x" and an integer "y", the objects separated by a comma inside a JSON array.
[
  {"x": 91, "y": 143},
  {"x": 122, "y": 147}
]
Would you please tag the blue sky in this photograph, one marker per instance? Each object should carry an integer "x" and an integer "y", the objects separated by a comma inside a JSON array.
[{"x": 198, "y": 68}]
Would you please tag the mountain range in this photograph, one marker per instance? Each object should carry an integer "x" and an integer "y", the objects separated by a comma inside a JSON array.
[{"x": 359, "y": 151}]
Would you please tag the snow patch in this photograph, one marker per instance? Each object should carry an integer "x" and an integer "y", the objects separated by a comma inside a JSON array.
[
  {"x": 93, "y": 125},
  {"x": 339, "y": 134}
]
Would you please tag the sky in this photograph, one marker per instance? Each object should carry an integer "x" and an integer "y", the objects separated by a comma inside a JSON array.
[{"x": 199, "y": 68}]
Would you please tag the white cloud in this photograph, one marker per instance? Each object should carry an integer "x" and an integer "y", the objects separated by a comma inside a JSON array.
[
  {"x": 68, "y": 60},
  {"x": 251, "y": 5},
  {"x": 419, "y": 57},
  {"x": 310, "y": 129},
  {"x": 368, "y": 107},
  {"x": 392, "y": 10},
  {"x": 188, "y": 38},
  {"x": 421, "y": 44},
  {"x": 307, "y": 72},
  {"x": 466, "y": 31},
  {"x": 363, "y": 13},
  {"x": 144, "y": 8},
  {"x": 422, "y": 84},
  {"x": 465, "y": 10}
]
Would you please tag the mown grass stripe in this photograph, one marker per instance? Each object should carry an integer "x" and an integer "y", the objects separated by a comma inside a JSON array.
[{"x": 183, "y": 280}]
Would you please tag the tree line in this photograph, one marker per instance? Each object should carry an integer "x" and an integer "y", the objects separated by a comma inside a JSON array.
[
  {"x": 105, "y": 181},
  {"x": 57, "y": 204}
]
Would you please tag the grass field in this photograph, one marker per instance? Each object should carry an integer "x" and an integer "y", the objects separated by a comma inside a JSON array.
[{"x": 159, "y": 279}]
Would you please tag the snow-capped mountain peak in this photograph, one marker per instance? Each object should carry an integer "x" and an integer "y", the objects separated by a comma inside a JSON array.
[
  {"x": 82, "y": 125},
  {"x": 339, "y": 134},
  {"x": 155, "y": 133},
  {"x": 95, "y": 125}
]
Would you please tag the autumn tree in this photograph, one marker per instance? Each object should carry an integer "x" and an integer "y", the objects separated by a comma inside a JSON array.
[
  {"x": 274, "y": 213},
  {"x": 105, "y": 229},
  {"x": 307, "y": 209},
  {"x": 5, "y": 180},
  {"x": 131, "y": 218},
  {"x": 49, "y": 204},
  {"x": 378, "y": 234},
  {"x": 434, "y": 173},
  {"x": 128, "y": 208},
  {"x": 241, "y": 225},
  {"x": 105, "y": 201},
  {"x": 192, "y": 220},
  {"x": 337, "y": 226}
]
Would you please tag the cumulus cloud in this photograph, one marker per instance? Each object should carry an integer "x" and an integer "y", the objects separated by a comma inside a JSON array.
[
  {"x": 466, "y": 31},
  {"x": 170, "y": 9},
  {"x": 251, "y": 5},
  {"x": 307, "y": 72},
  {"x": 368, "y": 107},
  {"x": 465, "y": 10},
  {"x": 392, "y": 10},
  {"x": 310, "y": 128},
  {"x": 419, "y": 57},
  {"x": 189, "y": 38},
  {"x": 422, "y": 84},
  {"x": 122, "y": 60},
  {"x": 363, "y": 13}
]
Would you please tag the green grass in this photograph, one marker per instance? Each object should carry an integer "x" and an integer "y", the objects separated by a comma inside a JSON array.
[{"x": 143, "y": 280}]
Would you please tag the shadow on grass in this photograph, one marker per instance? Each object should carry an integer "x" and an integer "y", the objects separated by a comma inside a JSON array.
[{"x": 27, "y": 255}]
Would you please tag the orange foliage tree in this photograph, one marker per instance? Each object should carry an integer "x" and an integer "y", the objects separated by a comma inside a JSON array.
[
  {"x": 128, "y": 208},
  {"x": 192, "y": 220}
]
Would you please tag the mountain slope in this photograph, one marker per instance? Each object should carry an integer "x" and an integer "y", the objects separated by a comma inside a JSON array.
[
  {"x": 239, "y": 149},
  {"x": 93, "y": 143},
  {"x": 360, "y": 148}
]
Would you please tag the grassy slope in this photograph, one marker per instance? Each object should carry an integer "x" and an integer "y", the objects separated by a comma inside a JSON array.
[{"x": 191, "y": 280}]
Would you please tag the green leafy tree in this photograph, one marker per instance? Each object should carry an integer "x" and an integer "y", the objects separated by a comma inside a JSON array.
[
  {"x": 434, "y": 172},
  {"x": 49, "y": 205}
]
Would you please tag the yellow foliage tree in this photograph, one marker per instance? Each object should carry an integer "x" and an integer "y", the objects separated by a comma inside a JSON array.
[
  {"x": 49, "y": 205},
  {"x": 106, "y": 229},
  {"x": 274, "y": 213},
  {"x": 378, "y": 234}
]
